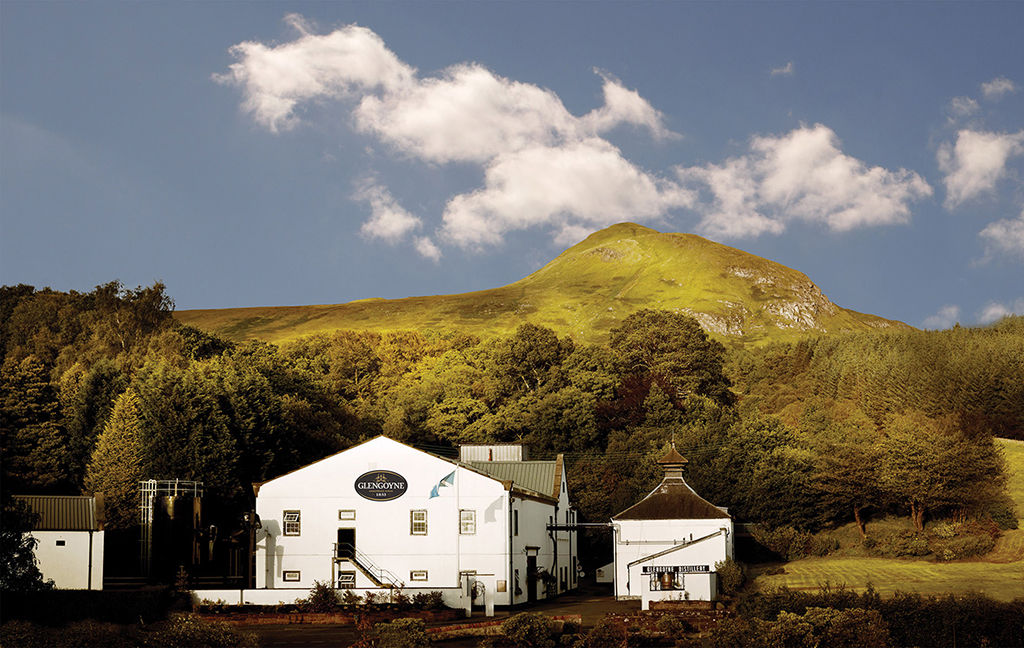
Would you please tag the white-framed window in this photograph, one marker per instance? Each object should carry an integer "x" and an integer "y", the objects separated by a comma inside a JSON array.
[
  {"x": 292, "y": 576},
  {"x": 418, "y": 522},
  {"x": 292, "y": 523},
  {"x": 467, "y": 522},
  {"x": 418, "y": 575},
  {"x": 346, "y": 514},
  {"x": 346, "y": 580}
]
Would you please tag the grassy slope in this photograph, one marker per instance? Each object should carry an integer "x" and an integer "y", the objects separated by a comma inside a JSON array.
[
  {"x": 1000, "y": 574},
  {"x": 584, "y": 292}
]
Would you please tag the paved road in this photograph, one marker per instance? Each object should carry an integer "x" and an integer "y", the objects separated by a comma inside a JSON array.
[{"x": 591, "y": 603}]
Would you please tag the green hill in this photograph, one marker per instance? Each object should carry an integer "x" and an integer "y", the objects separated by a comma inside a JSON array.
[{"x": 584, "y": 292}]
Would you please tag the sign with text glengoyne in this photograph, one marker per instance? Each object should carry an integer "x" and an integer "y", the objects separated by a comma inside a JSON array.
[{"x": 381, "y": 485}]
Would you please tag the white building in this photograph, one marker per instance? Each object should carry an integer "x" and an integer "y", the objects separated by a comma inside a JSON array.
[
  {"x": 384, "y": 514},
  {"x": 70, "y": 540},
  {"x": 667, "y": 545}
]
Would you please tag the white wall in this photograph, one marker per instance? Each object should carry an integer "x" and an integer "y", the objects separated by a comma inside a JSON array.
[
  {"x": 635, "y": 539},
  {"x": 68, "y": 564},
  {"x": 382, "y": 528},
  {"x": 695, "y": 586}
]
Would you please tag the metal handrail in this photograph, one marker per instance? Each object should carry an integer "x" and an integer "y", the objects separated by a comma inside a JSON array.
[{"x": 363, "y": 561}]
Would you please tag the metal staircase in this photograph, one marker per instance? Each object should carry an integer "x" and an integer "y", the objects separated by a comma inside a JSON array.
[{"x": 345, "y": 552}]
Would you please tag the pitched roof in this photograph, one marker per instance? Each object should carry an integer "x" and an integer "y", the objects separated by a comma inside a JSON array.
[
  {"x": 539, "y": 476},
  {"x": 673, "y": 499},
  {"x": 63, "y": 512}
]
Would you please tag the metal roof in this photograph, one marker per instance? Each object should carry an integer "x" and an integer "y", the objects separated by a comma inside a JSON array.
[
  {"x": 63, "y": 512},
  {"x": 538, "y": 476}
]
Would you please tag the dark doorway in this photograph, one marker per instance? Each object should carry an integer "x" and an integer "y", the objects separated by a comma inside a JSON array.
[
  {"x": 531, "y": 579},
  {"x": 346, "y": 544}
]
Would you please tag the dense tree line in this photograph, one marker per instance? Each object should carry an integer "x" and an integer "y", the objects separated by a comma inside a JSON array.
[{"x": 105, "y": 388}]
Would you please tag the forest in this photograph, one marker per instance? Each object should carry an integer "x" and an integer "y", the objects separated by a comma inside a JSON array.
[{"x": 103, "y": 389}]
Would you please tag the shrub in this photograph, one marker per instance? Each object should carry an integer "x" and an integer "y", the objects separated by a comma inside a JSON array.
[
  {"x": 402, "y": 633},
  {"x": 322, "y": 598},
  {"x": 190, "y": 631},
  {"x": 672, "y": 626},
  {"x": 349, "y": 597},
  {"x": 785, "y": 541},
  {"x": 529, "y": 629},
  {"x": 607, "y": 634},
  {"x": 731, "y": 576}
]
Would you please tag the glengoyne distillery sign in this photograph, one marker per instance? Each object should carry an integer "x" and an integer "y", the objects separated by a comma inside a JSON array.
[{"x": 381, "y": 485}]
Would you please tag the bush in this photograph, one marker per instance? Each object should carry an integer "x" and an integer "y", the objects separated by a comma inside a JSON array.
[
  {"x": 402, "y": 633},
  {"x": 322, "y": 598},
  {"x": 349, "y": 597},
  {"x": 787, "y": 542},
  {"x": 672, "y": 626},
  {"x": 429, "y": 600},
  {"x": 732, "y": 576},
  {"x": 190, "y": 631},
  {"x": 181, "y": 631},
  {"x": 529, "y": 629},
  {"x": 607, "y": 634}
]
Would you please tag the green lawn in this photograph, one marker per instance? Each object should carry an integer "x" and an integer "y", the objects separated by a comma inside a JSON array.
[{"x": 1000, "y": 574}]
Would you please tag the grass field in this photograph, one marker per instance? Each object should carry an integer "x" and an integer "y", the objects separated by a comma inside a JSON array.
[{"x": 1000, "y": 574}]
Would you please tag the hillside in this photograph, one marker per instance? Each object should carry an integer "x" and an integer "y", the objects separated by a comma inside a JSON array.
[{"x": 584, "y": 292}]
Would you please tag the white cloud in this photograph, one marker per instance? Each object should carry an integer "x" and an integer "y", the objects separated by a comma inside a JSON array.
[
  {"x": 1005, "y": 237},
  {"x": 994, "y": 311},
  {"x": 389, "y": 220},
  {"x": 947, "y": 316},
  {"x": 996, "y": 88},
  {"x": 960, "y": 107},
  {"x": 787, "y": 70},
  {"x": 802, "y": 175},
  {"x": 426, "y": 247},
  {"x": 586, "y": 183},
  {"x": 976, "y": 163},
  {"x": 276, "y": 80},
  {"x": 543, "y": 166}
]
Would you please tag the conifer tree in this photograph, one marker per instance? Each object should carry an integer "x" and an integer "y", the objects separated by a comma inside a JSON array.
[{"x": 116, "y": 466}]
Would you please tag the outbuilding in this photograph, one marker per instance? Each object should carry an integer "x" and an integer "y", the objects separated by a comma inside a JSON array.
[
  {"x": 69, "y": 535},
  {"x": 382, "y": 515},
  {"x": 667, "y": 545}
]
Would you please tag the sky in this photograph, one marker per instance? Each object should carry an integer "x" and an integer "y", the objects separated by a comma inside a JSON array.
[{"x": 279, "y": 154}]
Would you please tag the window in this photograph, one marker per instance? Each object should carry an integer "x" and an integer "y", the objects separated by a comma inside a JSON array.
[
  {"x": 346, "y": 580},
  {"x": 515, "y": 522},
  {"x": 292, "y": 523},
  {"x": 292, "y": 576},
  {"x": 60, "y": 543},
  {"x": 418, "y": 575},
  {"x": 467, "y": 522},
  {"x": 346, "y": 515},
  {"x": 418, "y": 522}
]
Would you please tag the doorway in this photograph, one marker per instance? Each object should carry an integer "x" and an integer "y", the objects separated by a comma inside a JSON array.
[
  {"x": 346, "y": 547},
  {"x": 531, "y": 579}
]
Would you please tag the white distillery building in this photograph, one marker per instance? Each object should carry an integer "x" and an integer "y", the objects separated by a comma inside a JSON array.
[
  {"x": 667, "y": 545},
  {"x": 383, "y": 514},
  {"x": 69, "y": 535}
]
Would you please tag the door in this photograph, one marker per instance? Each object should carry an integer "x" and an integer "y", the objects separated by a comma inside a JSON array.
[
  {"x": 531, "y": 579},
  {"x": 346, "y": 544}
]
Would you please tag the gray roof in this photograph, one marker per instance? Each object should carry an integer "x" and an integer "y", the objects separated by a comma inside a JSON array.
[
  {"x": 538, "y": 476},
  {"x": 673, "y": 499},
  {"x": 63, "y": 512}
]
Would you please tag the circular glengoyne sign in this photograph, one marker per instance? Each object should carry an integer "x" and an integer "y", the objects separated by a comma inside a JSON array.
[{"x": 381, "y": 485}]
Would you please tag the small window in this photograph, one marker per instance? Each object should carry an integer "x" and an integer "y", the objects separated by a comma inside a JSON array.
[
  {"x": 292, "y": 576},
  {"x": 418, "y": 575},
  {"x": 346, "y": 580},
  {"x": 467, "y": 522},
  {"x": 60, "y": 543},
  {"x": 346, "y": 515},
  {"x": 515, "y": 522},
  {"x": 418, "y": 522},
  {"x": 292, "y": 523}
]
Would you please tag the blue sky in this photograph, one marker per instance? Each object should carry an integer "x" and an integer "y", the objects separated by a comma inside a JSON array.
[{"x": 271, "y": 154}]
